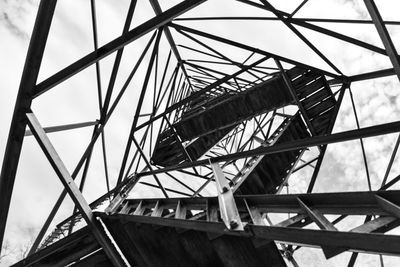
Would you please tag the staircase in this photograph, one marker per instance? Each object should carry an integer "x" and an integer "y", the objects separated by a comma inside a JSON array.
[
  {"x": 316, "y": 98},
  {"x": 265, "y": 173},
  {"x": 208, "y": 120},
  {"x": 170, "y": 151}
]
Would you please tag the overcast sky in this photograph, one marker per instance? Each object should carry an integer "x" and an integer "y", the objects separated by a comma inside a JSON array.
[{"x": 37, "y": 188}]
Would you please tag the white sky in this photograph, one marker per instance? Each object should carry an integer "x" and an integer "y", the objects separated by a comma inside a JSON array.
[{"x": 36, "y": 188}]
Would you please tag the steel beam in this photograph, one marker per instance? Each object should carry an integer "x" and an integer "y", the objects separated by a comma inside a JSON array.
[
  {"x": 365, "y": 132},
  {"x": 93, "y": 205},
  {"x": 293, "y": 20},
  {"x": 298, "y": 8},
  {"x": 362, "y": 242},
  {"x": 338, "y": 203},
  {"x": 250, "y": 48},
  {"x": 323, "y": 148},
  {"x": 300, "y": 35},
  {"x": 23, "y": 104},
  {"x": 317, "y": 217},
  {"x": 372, "y": 75},
  {"x": 384, "y": 34},
  {"x": 90, "y": 146},
  {"x": 72, "y": 189},
  {"x": 139, "y": 107},
  {"x": 166, "y": 189},
  {"x": 170, "y": 39},
  {"x": 200, "y": 92},
  {"x": 313, "y": 207},
  {"x": 390, "y": 164},
  {"x": 116, "y": 44},
  {"x": 65, "y": 127},
  {"x": 304, "y": 23},
  {"x": 361, "y": 140},
  {"x": 321, "y": 204},
  {"x": 292, "y": 91},
  {"x": 117, "y": 61},
  {"x": 149, "y": 166},
  {"x": 121, "y": 196},
  {"x": 83, "y": 237},
  {"x": 227, "y": 205}
]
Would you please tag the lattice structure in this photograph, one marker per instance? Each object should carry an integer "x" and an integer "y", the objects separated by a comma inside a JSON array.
[{"x": 221, "y": 128}]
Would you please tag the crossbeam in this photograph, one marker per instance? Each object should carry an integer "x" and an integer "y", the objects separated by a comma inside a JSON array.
[
  {"x": 365, "y": 132},
  {"x": 364, "y": 237}
]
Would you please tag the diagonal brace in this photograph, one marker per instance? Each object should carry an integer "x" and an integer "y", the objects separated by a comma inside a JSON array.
[
  {"x": 384, "y": 35},
  {"x": 72, "y": 188}
]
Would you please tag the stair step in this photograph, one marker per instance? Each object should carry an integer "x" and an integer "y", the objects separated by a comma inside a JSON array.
[
  {"x": 295, "y": 72},
  {"x": 273, "y": 168},
  {"x": 315, "y": 98},
  {"x": 305, "y": 79},
  {"x": 320, "y": 108},
  {"x": 310, "y": 88},
  {"x": 321, "y": 123}
]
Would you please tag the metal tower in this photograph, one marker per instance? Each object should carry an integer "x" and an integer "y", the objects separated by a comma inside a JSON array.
[{"x": 222, "y": 128}]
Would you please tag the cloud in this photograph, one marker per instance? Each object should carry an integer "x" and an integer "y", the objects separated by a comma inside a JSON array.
[{"x": 14, "y": 16}]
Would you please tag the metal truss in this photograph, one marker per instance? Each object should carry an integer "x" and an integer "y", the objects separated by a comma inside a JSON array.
[
  {"x": 257, "y": 213},
  {"x": 219, "y": 139}
]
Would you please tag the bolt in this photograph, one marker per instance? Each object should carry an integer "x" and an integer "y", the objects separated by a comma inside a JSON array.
[
  {"x": 225, "y": 189},
  {"x": 287, "y": 254},
  {"x": 233, "y": 224}
]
